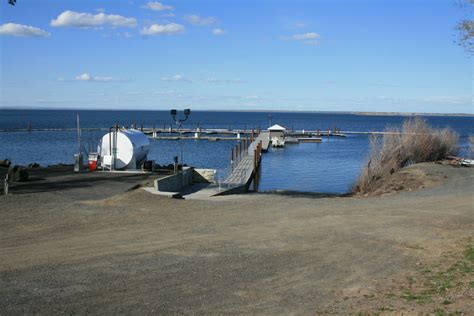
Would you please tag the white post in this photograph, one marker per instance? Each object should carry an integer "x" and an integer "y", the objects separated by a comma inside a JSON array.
[
  {"x": 5, "y": 188},
  {"x": 78, "y": 134}
]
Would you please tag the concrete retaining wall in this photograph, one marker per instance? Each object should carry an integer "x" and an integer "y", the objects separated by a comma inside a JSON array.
[
  {"x": 175, "y": 182},
  {"x": 204, "y": 176}
]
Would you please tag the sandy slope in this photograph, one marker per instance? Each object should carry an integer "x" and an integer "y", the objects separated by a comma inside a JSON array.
[{"x": 245, "y": 254}]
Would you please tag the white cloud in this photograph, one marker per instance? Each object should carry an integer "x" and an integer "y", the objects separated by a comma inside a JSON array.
[
  {"x": 87, "y": 77},
  {"x": 84, "y": 77},
  {"x": 103, "y": 79},
  {"x": 157, "y": 6},
  {"x": 197, "y": 20},
  {"x": 311, "y": 42},
  {"x": 305, "y": 36},
  {"x": 300, "y": 25},
  {"x": 167, "y": 15},
  {"x": 85, "y": 20},
  {"x": 160, "y": 29},
  {"x": 224, "y": 81},
  {"x": 457, "y": 99},
  {"x": 218, "y": 31},
  {"x": 21, "y": 30},
  {"x": 176, "y": 78},
  {"x": 310, "y": 38}
]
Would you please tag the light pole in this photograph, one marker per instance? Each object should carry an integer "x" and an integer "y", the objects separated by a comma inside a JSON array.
[{"x": 179, "y": 122}]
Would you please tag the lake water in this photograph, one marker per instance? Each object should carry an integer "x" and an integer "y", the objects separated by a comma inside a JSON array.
[{"x": 330, "y": 167}]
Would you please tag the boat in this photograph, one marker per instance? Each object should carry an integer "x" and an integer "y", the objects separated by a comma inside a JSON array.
[
  {"x": 467, "y": 162},
  {"x": 278, "y": 142}
]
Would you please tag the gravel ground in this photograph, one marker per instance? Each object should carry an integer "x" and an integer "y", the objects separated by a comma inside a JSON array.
[{"x": 73, "y": 251}]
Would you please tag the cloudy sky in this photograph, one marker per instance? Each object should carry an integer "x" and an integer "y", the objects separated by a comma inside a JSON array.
[{"x": 328, "y": 55}]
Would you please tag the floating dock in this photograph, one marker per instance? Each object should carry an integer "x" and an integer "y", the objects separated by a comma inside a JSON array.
[
  {"x": 203, "y": 133},
  {"x": 172, "y": 133},
  {"x": 309, "y": 139}
]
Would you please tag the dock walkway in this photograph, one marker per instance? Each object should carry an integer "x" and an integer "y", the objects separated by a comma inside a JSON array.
[{"x": 244, "y": 171}]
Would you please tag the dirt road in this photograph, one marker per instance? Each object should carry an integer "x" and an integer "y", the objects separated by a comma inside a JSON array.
[{"x": 256, "y": 253}]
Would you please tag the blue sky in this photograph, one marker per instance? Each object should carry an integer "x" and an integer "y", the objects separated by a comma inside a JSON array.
[{"x": 324, "y": 55}]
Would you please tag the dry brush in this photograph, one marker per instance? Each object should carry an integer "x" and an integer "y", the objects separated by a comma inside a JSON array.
[{"x": 414, "y": 142}]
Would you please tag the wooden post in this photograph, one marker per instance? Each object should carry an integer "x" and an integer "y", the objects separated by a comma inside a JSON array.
[
  {"x": 237, "y": 157},
  {"x": 232, "y": 159},
  {"x": 254, "y": 169},
  {"x": 237, "y": 148},
  {"x": 255, "y": 158}
]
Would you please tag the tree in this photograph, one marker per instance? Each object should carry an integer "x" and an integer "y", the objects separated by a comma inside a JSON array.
[{"x": 465, "y": 28}]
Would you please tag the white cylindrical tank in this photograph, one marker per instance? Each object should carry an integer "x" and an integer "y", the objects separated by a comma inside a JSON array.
[{"x": 131, "y": 146}]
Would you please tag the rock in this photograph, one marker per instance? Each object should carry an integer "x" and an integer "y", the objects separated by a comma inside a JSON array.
[
  {"x": 5, "y": 163},
  {"x": 17, "y": 174}
]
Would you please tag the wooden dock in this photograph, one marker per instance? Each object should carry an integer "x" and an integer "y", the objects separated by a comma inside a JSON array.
[{"x": 246, "y": 168}]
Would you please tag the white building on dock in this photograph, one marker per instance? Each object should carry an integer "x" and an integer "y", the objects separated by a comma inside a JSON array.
[{"x": 277, "y": 131}]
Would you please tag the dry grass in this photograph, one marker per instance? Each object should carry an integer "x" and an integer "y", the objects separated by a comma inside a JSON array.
[{"x": 414, "y": 142}]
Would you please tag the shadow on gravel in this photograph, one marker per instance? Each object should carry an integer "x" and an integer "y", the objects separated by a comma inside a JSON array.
[
  {"x": 42, "y": 185},
  {"x": 64, "y": 179}
]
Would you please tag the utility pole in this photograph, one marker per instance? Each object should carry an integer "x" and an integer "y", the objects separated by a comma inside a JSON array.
[{"x": 180, "y": 122}]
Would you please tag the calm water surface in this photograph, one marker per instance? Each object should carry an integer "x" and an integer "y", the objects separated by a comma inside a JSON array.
[{"x": 331, "y": 166}]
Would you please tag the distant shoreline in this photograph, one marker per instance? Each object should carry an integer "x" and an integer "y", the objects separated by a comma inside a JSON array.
[{"x": 361, "y": 113}]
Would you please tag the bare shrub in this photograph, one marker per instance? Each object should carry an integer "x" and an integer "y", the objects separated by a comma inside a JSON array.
[{"x": 414, "y": 142}]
